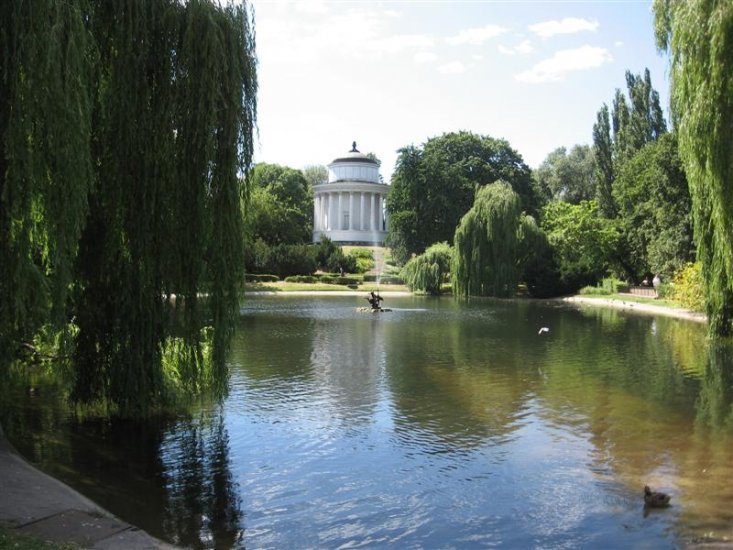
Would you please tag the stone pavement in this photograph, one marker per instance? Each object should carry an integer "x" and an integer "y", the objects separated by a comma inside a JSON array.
[{"x": 34, "y": 503}]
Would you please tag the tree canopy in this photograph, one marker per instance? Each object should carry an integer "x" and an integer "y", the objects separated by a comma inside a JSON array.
[
  {"x": 433, "y": 186},
  {"x": 568, "y": 176},
  {"x": 699, "y": 37},
  {"x": 654, "y": 208},
  {"x": 487, "y": 244},
  {"x": 124, "y": 129},
  {"x": 427, "y": 272}
]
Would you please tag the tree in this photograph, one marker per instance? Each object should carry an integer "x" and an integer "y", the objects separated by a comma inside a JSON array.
[
  {"x": 583, "y": 242},
  {"x": 124, "y": 128},
  {"x": 570, "y": 177},
  {"x": 632, "y": 124},
  {"x": 654, "y": 206},
  {"x": 433, "y": 186},
  {"x": 487, "y": 244},
  {"x": 427, "y": 272},
  {"x": 315, "y": 174},
  {"x": 699, "y": 37},
  {"x": 280, "y": 208}
]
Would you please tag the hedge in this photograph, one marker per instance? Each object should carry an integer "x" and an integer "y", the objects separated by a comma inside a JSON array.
[{"x": 257, "y": 278}]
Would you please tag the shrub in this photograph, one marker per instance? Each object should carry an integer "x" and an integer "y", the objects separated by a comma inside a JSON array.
[
  {"x": 688, "y": 288},
  {"x": 292, "y": 259},
  {"x": 301, "y": 279},
  {"x": 428, "y": 271},
  {"x": 260, "y": 278}
]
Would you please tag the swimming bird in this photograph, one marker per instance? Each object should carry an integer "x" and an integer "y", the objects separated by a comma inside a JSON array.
[
  {"x": 543, "y": 329},
  {"x": 655, "y": 499}
]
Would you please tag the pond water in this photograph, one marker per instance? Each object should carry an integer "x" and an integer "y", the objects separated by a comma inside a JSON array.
[{"x": 437, "y": 425}]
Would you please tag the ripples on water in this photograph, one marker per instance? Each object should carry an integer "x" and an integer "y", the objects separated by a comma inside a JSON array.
[{"x": 451, "y": 425}]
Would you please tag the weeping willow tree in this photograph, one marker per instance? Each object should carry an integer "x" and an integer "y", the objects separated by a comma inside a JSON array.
[
  {"x": 487, "y": 244},
  {"x": 46, "y": 165},
  {"x": 699, "y": 37},
  {"x": 427, "y": 272},
  {"x": 159, "y": 115}
]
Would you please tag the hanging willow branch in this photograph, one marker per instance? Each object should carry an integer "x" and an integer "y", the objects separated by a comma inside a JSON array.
[
  {"x": 126, "y": 126},
  {"x": 699, "y": 37},
  {"x": 486, "y": 244}
]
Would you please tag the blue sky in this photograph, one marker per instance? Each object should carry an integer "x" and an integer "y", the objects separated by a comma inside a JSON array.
[{"x": 395, "y": 73}]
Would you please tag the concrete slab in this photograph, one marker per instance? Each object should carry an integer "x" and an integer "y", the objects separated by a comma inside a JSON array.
[{"x": 34, "y": 503}]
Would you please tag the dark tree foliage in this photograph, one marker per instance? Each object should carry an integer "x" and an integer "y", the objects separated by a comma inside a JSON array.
[
  {"x": 654, "y": 207},
  {"x": 699, "y": 37},
  {"x": 433, "y": 186},
  {"x": 150, "y": 130}
]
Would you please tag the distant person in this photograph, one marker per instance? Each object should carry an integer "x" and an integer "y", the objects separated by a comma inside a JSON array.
[{"x": 656, "y": 281}]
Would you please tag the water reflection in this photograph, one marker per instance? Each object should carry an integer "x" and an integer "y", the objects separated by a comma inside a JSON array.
[{"x": 440, "y": 424}]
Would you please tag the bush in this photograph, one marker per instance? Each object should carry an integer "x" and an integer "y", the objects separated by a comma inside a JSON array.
[
  {"x": 428, "y": 271},
  {"x": 687, "y": 287},
  {"x": 292, "y": 259},
  {"x": 301, "y": 279},
  {"x": 607, "y": 287},
  {"x": 338, "y": 280},
  {"x": 260, "y": 278}
]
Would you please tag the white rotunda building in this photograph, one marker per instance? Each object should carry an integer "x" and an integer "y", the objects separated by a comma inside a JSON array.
[{"x": 351, "y": 206}]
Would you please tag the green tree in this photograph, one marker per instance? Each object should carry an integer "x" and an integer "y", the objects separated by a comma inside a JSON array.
[
  {"x": 315, "y": 174},
  {"x": 618, "y": 135},
  {"x": 427, "y": 272},
  {"x": 654, "y": 207},
  {"x": 138, "y": 119},
  {"x": 487, "y": 244},
  {"x": 433, "y": 186},
  {"x": 699, "y": 37},
  {"x": 583, "y": 242},
  {"x": 570, "y": 177},
  {"x": 280, "y": 208}
]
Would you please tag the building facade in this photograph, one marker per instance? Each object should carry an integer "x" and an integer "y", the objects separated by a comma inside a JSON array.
[{"x": 351, "y": 206}]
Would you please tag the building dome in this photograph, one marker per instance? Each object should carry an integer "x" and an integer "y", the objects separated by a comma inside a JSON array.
[
  {"x": 354, "y": 156},
  {"x": 350, "y": 206}
]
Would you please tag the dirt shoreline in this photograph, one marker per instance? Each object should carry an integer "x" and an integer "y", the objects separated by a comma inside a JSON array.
[{"x": 636, "y": 306}]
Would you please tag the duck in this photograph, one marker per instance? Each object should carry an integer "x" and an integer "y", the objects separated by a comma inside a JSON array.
[{"x": 655, "y": 499}]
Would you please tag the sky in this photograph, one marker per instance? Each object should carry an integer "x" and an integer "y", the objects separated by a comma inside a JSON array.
[{"x": 396, "y": 73}]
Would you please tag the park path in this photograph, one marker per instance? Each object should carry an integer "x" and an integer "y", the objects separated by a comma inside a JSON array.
[{"x": 33, "y": 503}]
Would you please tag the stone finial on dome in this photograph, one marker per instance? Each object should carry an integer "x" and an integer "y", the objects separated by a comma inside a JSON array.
[{"x": 353, "y": 148}]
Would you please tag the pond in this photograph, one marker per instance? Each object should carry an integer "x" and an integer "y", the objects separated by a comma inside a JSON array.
[{"x": 437, "y": 425}]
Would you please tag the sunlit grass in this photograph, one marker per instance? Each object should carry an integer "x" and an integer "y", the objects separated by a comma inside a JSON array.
[{"x": 282, "y": 286}]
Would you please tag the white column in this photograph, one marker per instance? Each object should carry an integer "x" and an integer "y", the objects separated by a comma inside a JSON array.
[
  {"x": 371, "y": 212},
  {"x": 339, "y": 216},
  {"x": 351, "y": 210},
  {"x": 361, "y": 211},
  {"x": 328, "y": 212},
  {"x": 315, "y": 213}
]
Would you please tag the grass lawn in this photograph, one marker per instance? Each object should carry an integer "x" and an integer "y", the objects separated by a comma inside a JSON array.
[
  {"x": 282, "y": 286},
  {"x": 9, "y": 538}
]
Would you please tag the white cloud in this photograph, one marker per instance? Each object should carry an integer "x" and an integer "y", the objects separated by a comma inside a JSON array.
[
  {"x": 311, "y": 6},
  {"x": 476, "y": 36},
  {"x": 425, "y": 57},
  {"x": 392, "y": 13},
  {"x": 523, "y": 48},
  {"x": 454, "y": 67},
  {"x": 618, "y": 43},
  {"x": 564, "y": 62},
  {"x": 568, "y": 25}
]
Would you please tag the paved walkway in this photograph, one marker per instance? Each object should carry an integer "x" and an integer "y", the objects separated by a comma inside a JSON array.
[{"x": 36, "y": 504}]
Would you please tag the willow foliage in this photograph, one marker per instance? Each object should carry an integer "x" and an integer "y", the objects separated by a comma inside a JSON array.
[
  {"x": 699, "y": 37},
  {"x": 486, "y": 243},
  {"x": 427, "y": 272},
  {"x": 46, "y": 56},
  {"x": 158, "y": 119}
]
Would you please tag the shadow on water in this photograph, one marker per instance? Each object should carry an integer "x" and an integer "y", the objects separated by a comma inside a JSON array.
[
  {"x": 437, "y": 424},
  {"x": 170, "y": 477}
]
